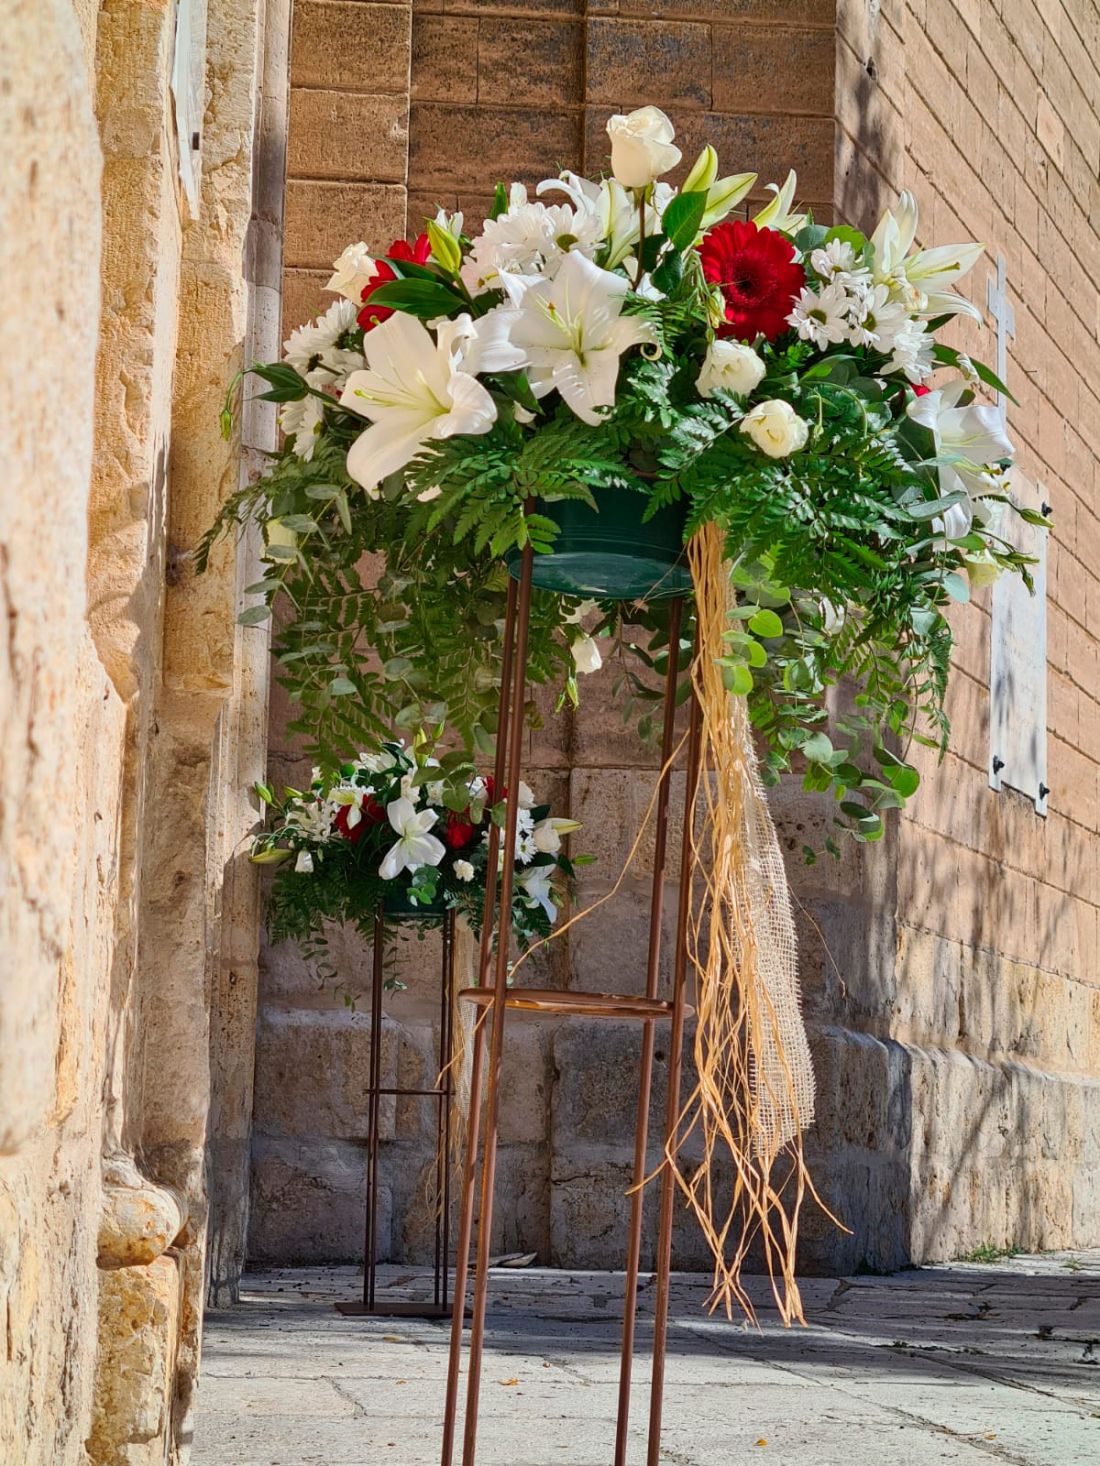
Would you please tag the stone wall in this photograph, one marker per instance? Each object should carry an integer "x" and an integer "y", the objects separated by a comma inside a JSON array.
[
  {"x": 133, "y": 709},
  {"x": 989, "y": 1042},
  {"x": 948, "y": 972}
]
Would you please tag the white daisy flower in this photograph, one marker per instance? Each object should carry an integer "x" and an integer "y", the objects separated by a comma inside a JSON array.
[
  {"x": 837, "y": 260},
  {"x": 314, "y": 343},
  {"x": 822, "y": 317},
  {"x": 876, "y": 320}
]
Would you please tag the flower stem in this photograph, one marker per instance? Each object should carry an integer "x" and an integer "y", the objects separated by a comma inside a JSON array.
[{"x": 641, "y": 237}]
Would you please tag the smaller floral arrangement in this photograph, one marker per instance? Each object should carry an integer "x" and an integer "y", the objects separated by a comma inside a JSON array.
[{"x": 392, "y": 828}]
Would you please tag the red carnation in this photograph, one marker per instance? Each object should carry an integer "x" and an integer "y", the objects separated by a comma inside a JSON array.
[
  {"x": 418, "y": 254},
  {"x": 758, "y": 276},
  {"x": 370, "y": 813},
  {"x": 459, "y": 830}
]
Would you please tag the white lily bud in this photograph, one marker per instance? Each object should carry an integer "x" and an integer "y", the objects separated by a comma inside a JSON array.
[
  {"x": 703, "y": 171},
  {"x": 586, "y": 654}
]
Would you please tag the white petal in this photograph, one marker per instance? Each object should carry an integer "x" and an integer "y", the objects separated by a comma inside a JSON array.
[
  {"x": 382, "y": 450},
  {"x": 393, "y": 863}
]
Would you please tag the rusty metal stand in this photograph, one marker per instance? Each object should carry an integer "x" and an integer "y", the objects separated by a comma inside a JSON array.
[
  {"x": 494, "y": 1000},
  {"x": 443, "y": 1094}
]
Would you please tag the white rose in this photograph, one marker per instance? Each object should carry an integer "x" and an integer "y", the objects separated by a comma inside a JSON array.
[
  {"x": 586, "y": 654},
  {"x": 464, "y": 870},
  {"x": 776, "y": 428},
  {"x": 353, "y": 272},
  {"x": 730, "y": 366},
  {"x": 641, "y": 146}
]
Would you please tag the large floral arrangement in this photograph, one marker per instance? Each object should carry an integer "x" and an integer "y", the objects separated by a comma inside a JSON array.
[
  {"x": 392, "y": 829},
  {"x": 840, "y": 478},
  {"x": 770, "y": 374}
]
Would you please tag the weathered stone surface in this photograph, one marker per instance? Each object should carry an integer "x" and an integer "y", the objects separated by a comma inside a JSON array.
[
  {"x": 139, "y": 1221},
  {"x": 139, "y": 1323},
  {"x": 308, "y": 1199}
]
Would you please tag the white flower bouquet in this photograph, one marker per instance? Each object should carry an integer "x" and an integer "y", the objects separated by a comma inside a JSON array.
[
  {"x": 622, "y": 346},
  {"x": 390, "y": 829}
]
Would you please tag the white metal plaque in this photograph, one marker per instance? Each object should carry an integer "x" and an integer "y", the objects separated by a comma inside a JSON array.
[{"x": 1018, "y": 663}]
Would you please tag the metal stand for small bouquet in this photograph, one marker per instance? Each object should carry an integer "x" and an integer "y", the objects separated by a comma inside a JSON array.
[
  {"x": 442, "y": 1093},
  {"x": 648, "y": 1010}
]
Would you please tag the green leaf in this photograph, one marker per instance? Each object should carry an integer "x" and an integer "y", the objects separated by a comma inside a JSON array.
[
  {"x": 950, "y": 357},
  {"x": 682, "y": 218},
  {"x": 342, "y": 687},
  {"x": 905, "y": 780},
  {"x": 500, "y": 202},
  {"x": 818, "y": 748},
  {"x": 299, "y": 523},
  {"x": 739, "y": 680},
  {"x": 957, "y": 586},
  {"x": 929, "y": 509},
  {"x": 669, "y": 273},
  {"x": 422, "y": 298},
  {"x": 254, "y": 616},
  {"x": 766, "y": 623}
]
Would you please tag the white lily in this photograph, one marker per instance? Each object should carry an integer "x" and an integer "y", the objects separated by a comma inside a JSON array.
[
  {"x": 536, "y": 888},
  {"x": 922, "y": 279},
  {"x": 776, "y": 213},
  {"x": 548, "y": 832},
  {"x": 610, "y": 211},
  {"x": 414, "y": 847},
  {"x": 415, "y": 389},
  {"x": 571, "y": 332},
  {"x": 970, "y": 439}
]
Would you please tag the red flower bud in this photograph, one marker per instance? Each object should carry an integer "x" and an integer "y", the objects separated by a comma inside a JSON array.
[
  {"x": 459, "y": 831},
  {"x": 371, "y": 813},
  {"x": 417, "y": 254}
]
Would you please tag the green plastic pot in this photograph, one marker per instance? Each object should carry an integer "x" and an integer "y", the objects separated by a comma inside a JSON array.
[
  {"x": 609, "y": 553},
  {"x": 396, "y": 904}
]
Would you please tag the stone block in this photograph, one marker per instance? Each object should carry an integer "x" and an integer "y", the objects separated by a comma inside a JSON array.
[
  {"x": 350, "y": 46},
  {"x": 308, "y": 1200},
  {"x": 773, "y": 69},
  {"x": 467, "y": 147},
  {"x": 521, "y": 1212},
  {"x": 334, "y": 1043},
  {"x": 596, "y": 1075},
  {"x": 319, "y": 219},
  {"x": 529, "y": 62},
  {"x": 667, "y": 63},
  {"x": 347, "y": 135},
  {"x": 444, "y": 60},
  {"x": 139, "y": 1311},
  {"x": 304, "y": 296}
]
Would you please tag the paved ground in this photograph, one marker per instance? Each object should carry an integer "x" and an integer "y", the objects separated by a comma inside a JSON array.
[{"x": 968, "y": 1364}]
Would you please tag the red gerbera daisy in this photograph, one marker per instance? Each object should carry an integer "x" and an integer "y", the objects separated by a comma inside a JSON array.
[
  {"x": 758, "y": 275},
  {"x": 418, "y": 254}
]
